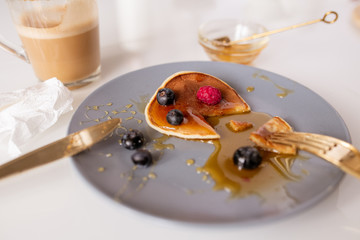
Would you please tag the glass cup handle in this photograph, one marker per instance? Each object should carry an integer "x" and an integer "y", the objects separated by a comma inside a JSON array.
[{"x": 13, "y": 49}]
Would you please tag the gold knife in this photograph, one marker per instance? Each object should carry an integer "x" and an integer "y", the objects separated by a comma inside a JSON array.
[{"x": 65, "y": 147}]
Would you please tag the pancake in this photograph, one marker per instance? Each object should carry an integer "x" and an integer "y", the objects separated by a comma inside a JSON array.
[
  {"x": 274, "y": 125},
  {"x": 194, "y": 126}
]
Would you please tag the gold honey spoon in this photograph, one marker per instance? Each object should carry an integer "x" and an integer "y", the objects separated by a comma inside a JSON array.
[{"x": 326, "y": 19}]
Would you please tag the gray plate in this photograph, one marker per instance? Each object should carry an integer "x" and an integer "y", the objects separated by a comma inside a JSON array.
[{"x": 173, "y": 190}]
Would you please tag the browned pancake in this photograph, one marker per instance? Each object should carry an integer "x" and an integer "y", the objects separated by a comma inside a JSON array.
[
  {"x": 274, "y": 125},
  {"x": 185, "y": 86}
]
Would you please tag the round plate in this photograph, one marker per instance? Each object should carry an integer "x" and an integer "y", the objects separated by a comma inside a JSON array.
[{"x": 173, "y": 188}]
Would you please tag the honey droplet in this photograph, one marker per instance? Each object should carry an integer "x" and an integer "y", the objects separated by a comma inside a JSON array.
[
  {"x": 190, "y": 162},
  {"x": 200, "y": 170},
  {"x": 250, "y": 89},
  {"x": 285, "y": 91},
  {"x": 305, "y": 172},
  {"x": 152, "y": 175},
  {"x": 189, "y": 191},
  {"x": 101, "y": 169},
  {"x": 204, "y": 178},
  {"x": 263, "y": 77}
]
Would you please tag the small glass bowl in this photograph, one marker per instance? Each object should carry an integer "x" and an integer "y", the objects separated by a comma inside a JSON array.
[{"x": 214, "y": 37}]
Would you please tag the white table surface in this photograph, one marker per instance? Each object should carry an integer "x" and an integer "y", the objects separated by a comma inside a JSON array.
[{"x": 54, "y": 202}]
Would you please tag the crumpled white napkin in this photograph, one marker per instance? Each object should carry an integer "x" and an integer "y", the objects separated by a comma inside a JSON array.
[{"x": 27, "y": 112}]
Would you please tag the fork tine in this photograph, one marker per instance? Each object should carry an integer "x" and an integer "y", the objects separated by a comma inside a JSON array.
[
  {"x": 328, "y": 141},
  {"x": 302, "y": 141},
  {"x": 340, "y": 153},
  {"x": 318, "y": 140},
  {"x": 319, "y": 145},
  {"x": 299, "y": 145}
]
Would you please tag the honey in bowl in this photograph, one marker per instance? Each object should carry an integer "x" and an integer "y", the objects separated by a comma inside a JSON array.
[{"x": 215, "y": 37}]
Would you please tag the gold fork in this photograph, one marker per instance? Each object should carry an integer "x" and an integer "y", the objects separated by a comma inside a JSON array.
[{"x": 338, "y": 152}]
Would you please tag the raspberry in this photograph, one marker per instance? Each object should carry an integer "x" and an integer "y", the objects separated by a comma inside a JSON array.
[{"x": 209, "y": 95}]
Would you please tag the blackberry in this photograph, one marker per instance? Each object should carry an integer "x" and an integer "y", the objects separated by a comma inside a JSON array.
[
  {"x": 142, "y": 157},
  {"x": 247, "y": 157},
  {"x": 175, "y": 117},
  {"x": 165, "y": 96},
  {"x": 133, "y": 139}
]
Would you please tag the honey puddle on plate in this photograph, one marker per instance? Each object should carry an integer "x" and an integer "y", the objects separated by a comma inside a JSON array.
[{"x": 268, "y": 181}]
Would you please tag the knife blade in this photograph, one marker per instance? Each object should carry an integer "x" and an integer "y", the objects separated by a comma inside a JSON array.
[{"x": 65, "y": 147}]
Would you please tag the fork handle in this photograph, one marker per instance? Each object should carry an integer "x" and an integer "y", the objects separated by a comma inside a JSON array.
[{"x": 351, "y": 164}]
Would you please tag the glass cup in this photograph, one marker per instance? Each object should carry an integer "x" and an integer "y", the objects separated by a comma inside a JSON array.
[{"x": 60, "y": 39}]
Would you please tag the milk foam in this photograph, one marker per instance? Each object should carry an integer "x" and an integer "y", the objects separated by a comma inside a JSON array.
[{"x": 76, "y": 17}]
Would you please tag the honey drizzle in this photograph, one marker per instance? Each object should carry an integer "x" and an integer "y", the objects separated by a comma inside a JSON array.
[
  {"x": 108, "y": 114},
  {"x": 271, "y": 176},
  {"x": 141, "y": 105},
  {"x": 160, "y": 145},
  {"x": 130, "y": 177},
  {"x": 283, "y": 166},
  {"x": 285, "y": 91},
  {"x": 104, "y": 112}
]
